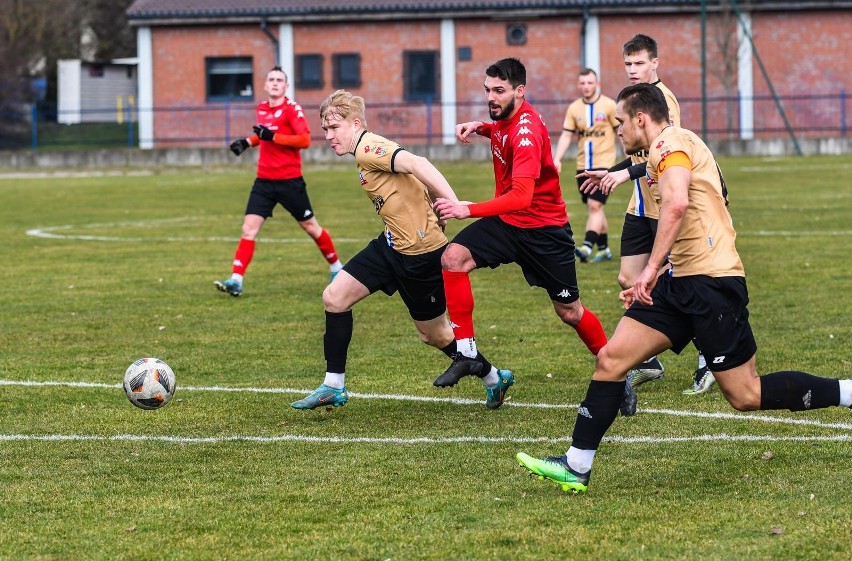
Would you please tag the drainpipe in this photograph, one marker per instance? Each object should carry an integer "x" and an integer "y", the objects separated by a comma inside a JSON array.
[{"x": 273, "y": 38}]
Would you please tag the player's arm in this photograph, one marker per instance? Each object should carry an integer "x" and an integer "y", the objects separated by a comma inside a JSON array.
[
  {"x": 300, "y": 140},
  {"x": 675, "y": 173},
  {"x": 517, "y": 197},
  {"x": 421, "y": 168},
  {"x": 562, "y": 146},
  {"x": 464, "y": 130}
]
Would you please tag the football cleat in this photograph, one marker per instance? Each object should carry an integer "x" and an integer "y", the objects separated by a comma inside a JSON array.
[
  {"x": 703, "y": 381},
  {"x": 602, "y": 255},
  {"x": 231, "y": 286},
  {"x": 555, "y": 469},
  {"x": 496, "y": 394},
  {"x": 323, "y": 396},
  {"x": 648, "y": 371},
  {"x": 462, "y": 366},
  {"x": 628, "y": 402},
  {"x": 583, "y": 253}
]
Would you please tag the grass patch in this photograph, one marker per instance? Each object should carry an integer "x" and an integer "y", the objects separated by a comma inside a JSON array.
[{"x": 122, "y": 267}]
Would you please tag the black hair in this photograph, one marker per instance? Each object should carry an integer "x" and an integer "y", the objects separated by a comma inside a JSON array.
[
  {"x": 639, "y": 43},
  {"x": 509, "y": 69},
  {"x": 644, "y": 98}
]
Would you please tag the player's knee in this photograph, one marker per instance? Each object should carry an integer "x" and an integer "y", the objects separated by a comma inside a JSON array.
[
  {"x": 625, "y": 280},
  {"x": 570, "y": 313},
  {"x": 332, "y": 300},
  {"x": 744, "y": 399},
  {"x": 454, "y": 258}
]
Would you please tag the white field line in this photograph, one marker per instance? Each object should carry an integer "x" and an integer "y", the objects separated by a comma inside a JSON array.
[
  {"x": 722, "y": 437},
  {"x": 457, "y": 401},
  {"x": 53, "y": 233}
]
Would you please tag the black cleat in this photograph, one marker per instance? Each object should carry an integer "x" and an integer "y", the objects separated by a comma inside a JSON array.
[
  {"x": 462, "y": 366},
  {"x": 628, "y": 402}
]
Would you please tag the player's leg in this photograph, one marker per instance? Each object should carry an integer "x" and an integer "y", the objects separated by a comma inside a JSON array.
[
  {"x": 599, "y": 408},
  {"x": 486, "y": 238},
  {"x": 293, "y": 195},
  {"x": 597, "y": 221},
  {"x": 637, "y": 240},
  {"x": 252, "y": 223}
]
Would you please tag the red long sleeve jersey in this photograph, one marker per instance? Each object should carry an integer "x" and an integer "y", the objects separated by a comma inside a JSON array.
[
  {"x": 520, "y": 147},
  {"x": 277, "y": 161}
]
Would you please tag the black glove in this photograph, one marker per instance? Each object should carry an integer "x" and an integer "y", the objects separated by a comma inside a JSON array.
[
  {"x": 239, "y": 146},
  {"x": 263, "y": 133}
]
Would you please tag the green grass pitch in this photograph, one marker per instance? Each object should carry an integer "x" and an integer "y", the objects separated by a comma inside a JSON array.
[{"x": 105, "y": 267}]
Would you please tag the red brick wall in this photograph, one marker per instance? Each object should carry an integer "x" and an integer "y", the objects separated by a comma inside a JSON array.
[{"x": 804, "y": 54}]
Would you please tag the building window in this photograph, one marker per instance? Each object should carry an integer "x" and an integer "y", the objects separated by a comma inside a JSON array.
[
  {"x": 230, "y": 79},
  {"x": 309, "y": 72},
  {"x": 516, "y": 34},
  {"x": 347, "y": 70},
  {"x": 420, "y": 74},
  {"x": 465, "y": 54}
]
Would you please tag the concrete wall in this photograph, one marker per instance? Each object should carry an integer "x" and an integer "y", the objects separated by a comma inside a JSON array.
[{"x": 160, "y": 157}]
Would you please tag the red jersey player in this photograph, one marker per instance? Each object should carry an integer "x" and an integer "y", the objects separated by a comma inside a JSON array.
[
  {"x": 281, "y": 132},
  {"x": 525, "y": 223}
]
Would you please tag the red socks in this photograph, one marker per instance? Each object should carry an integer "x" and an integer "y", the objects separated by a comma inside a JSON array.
[
  {"x": 242, "y": 258},
  {"x": 326, "y": 246},
  {"x": 459, "y": 303},
  {"x": 591, "y": 331}
]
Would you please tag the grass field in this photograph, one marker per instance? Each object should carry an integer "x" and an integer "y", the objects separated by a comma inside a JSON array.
[{"x": 102, "y": 269}]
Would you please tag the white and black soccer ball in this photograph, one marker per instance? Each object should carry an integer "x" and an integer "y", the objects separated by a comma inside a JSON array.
[{"x": 149, "y": 383}]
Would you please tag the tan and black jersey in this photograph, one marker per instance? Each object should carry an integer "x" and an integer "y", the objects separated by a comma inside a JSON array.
[
  {"x": 641, "y": 203},
  {"x": 595, "y": 125},
  {"x": 705, "y": 243},
  {"x": 400, "y": 199}
]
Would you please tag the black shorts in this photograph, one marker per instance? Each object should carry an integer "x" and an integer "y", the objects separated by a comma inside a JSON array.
[
  {"x": 711, "y": 309},
  {"x": 291, "y": 193},
  {"x": 596, "y": 196},
  {"x": 637, "y": 235},
  {"x": 418, "y": 278},
  {"x": 546, "y": 255}
]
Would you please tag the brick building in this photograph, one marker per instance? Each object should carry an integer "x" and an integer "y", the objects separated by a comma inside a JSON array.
[{"x": 420, "y": 64}]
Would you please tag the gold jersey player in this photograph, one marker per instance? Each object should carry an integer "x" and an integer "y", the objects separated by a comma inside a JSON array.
[
  {"x": 525, "y": 223},
  {"x": 702, "y": 295},
  {"x": 404, "y": 258},
  {"x": 591, "y": 121},
  {"x": 281, "y": 133}
]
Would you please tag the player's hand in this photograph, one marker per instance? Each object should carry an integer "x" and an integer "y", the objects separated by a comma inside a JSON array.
[
  {"x": 446, "y": 209},
  {"x": 592, "y": 181},
  {"x": 239, "y": 146},
  {"x": 263, "y": 133},
  {"x": 627, "y": 296},
  {"x": 464, "y": 130},
  {"x": 644, "y": 285}
]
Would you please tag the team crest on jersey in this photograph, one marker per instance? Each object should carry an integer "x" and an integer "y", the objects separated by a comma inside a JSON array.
[
  {"x": 278, "y": 113},
  {"x": 600, "y": 117},
  {"x": 378, "y": 203},
  {"x": 380, "y": 151}
]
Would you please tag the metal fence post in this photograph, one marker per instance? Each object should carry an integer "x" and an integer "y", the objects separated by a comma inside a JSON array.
[{"x": 843, "y": 112}]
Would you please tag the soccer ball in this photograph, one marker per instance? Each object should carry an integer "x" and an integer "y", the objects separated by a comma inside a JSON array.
[{"x": 149, "y": 383}]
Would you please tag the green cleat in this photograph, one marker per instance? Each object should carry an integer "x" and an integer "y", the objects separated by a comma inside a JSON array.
[
  {"x": 231, "y": 286},
  {"x": 555, "y": 469},
  {"x": 323, "y": 396},
  {"x": 496, "y": 394}
]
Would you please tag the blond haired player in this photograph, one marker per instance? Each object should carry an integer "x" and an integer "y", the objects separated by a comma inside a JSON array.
[
  {"x": 591, "y": 121},
  {"x": 703, "y": 295},
  {"x": 404, "y": 258}
]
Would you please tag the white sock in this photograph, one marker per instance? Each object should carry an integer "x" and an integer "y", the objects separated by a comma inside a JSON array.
[
  {"x": 845, "y": 393},
  {"x": 336, "y": 266},
  {"x": 580, "y": 460},
  {"x": 491, "y": 378},
  {"x": 701, "y": 362},
  {"x": 237, "y": 277},
  {"x": 467, "y": 347},
  {"x": 335, "y": 380}
]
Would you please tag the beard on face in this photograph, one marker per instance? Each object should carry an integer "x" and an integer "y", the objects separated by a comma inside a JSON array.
[{"x": 505, "y": 112}]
